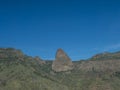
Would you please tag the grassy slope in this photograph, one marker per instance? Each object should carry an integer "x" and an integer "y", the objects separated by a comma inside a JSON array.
[
  {"x": 28, "y": 74},
  {"x": 21, "y": 77}
]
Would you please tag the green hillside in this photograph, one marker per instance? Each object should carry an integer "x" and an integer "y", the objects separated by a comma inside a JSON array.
[{"x": 21, "y": 72}]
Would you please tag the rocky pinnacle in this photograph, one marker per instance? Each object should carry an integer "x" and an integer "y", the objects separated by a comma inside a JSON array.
[{"x": 62, "y": 62}]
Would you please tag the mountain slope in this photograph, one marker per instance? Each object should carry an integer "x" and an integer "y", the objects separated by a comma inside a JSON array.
[{"x": 21, "y": 72}]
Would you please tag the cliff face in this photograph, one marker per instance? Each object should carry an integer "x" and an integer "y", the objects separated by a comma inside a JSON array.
[{"x": 62, "y": 62}]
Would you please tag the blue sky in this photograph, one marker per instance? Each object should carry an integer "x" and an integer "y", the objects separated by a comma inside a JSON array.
[{"x": 81, "y": 27}]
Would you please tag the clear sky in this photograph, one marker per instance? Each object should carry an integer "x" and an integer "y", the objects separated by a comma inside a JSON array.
[{"x": 81, "y": 27}]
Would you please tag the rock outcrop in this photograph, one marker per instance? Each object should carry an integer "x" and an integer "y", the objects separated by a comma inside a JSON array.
[
  {"x": 99, "y": 66},
  {"x": 10, "y": 53},
  {"x": 62, "y": 62},
  {"x": 39, "y": 60}
]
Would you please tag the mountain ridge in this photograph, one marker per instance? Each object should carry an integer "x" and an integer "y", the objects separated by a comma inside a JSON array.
[{"x": 19, "y": 71}]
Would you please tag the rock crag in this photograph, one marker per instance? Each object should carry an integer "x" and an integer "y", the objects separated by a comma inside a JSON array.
[{"x": 62, "y": 62}]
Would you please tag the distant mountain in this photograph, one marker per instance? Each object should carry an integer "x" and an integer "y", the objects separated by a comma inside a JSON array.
[
  {"x": 22, "y": 72},
  {"x": 106, "y": 56}
]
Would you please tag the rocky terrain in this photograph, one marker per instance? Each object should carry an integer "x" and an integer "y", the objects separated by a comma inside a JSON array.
[
  {"x": 62, "y": 62},
  {"x": 22, "y": 72}
]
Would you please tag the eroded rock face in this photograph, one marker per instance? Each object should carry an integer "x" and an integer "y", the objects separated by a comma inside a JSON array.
[
  {"x": 100, "y": 66},
  {"x": 62, "y": 62}
]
